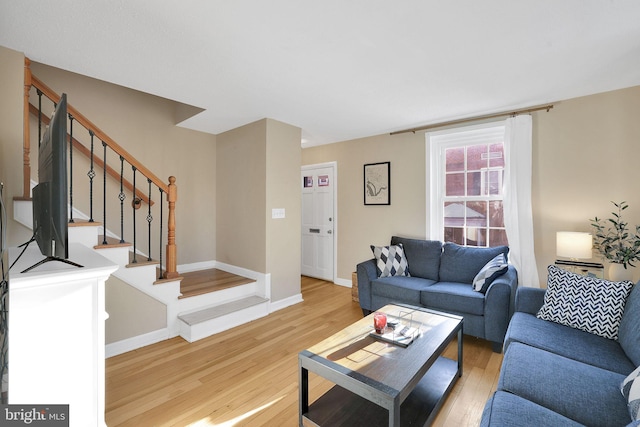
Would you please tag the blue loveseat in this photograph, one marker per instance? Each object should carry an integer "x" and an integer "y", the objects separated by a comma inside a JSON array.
[
  {"x": 441, "y": 277},
  {"x": 556, "y": 375}
]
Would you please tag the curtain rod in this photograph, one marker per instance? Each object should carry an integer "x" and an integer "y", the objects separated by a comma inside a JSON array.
[{"x": 473, "y": 119}]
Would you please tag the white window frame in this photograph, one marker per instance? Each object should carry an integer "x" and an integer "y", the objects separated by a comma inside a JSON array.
[{"x": 436, "y": 144}]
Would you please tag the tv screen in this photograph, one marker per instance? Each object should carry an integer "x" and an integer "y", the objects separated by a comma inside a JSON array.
[{"x": 50, "y": 216}]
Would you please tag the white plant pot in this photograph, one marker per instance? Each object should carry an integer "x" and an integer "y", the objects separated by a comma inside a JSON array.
[{"x": 618, "y": 273}]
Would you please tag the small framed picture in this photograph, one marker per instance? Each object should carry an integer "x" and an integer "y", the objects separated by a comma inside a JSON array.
[
  {"x": 307, "y": 181},
  {"x": 377, "y": 183}
]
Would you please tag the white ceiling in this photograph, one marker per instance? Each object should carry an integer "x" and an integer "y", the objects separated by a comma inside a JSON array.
[{"x": 338, "y": 69}]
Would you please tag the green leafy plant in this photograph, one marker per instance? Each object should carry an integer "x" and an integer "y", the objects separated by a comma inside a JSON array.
[{"x": 613, "y": 239}]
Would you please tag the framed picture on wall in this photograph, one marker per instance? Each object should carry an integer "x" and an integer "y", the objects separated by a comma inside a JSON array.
[{"x": 377, "y": 183}]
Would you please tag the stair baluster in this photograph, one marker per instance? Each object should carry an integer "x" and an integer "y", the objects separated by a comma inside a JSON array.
[
  {"x": 91, "y": 174},
  {"x": 121, "y": 196},
  {"x": 104, "y": 193},
  {"x": 71, "y": 221},
  {"x": 134, "y": 203},
  {"x": 149, "y": 219},
  {"x": 39, "y": 92},
  {"x": 161, "y": 222}
]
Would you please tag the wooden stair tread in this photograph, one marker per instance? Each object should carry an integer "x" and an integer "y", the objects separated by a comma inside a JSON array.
[
  {"x": 140, "y": 261},
  {"x": 84, "y": 223},
  {"x": 210, "y": 280},
  {"x": 112, "y": 242},
  {"x": 221, "y": 310}
]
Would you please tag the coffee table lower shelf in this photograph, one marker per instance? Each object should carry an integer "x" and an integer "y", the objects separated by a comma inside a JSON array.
[{"x": 340, "y": 407}]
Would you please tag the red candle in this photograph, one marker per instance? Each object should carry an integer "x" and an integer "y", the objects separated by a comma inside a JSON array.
[{"x": 379, "y": 322}]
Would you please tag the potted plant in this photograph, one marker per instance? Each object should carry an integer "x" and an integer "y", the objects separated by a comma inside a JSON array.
[{"x": 614, "y": 241}]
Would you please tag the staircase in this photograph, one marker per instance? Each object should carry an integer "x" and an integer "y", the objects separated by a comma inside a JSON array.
[{"x": 192, "y": 317}]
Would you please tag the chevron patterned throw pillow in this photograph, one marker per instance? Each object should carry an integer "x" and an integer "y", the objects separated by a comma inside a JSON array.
[
  {"x": 586, "y": 303},
  {"x": 390, "y": 260},
  {"x": 630, "y": 389}
]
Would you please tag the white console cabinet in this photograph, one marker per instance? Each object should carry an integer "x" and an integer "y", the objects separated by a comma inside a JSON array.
[{"x": 56, "y": 333}]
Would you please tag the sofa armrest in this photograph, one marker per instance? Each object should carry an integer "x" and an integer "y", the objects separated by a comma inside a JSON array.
[
  {"x": 366, "y": 272},
  {"x": 498, "y": 305},
  {"x": 529, "y": 300}
]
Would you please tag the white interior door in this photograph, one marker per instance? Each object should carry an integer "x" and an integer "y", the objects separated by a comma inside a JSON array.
[{"x": 318, "y": 222}]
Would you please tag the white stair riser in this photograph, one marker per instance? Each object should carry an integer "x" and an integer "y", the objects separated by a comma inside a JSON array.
[
  {"x": 186, "y": 305},
  {"x": 85, "y": 235},
  {"x": 219, "y": 324},
  {"x": 118, "y": 255}
]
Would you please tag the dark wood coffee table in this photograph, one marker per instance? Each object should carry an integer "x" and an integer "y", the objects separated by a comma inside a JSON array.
[{"x": 378, "y": 383}]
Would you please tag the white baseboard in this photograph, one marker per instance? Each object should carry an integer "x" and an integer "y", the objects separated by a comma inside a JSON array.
[
  {"x": 284, "y": 303},
  {"x": 136, "y": 342},
  {"x": 195, "y": 266},
  {"x": 347, "y": 283}
]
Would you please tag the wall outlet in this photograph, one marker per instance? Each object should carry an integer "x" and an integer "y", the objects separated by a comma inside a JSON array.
[{"x": 277, "y": 213}]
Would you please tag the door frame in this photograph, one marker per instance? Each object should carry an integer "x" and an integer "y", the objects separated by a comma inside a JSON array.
[{"x": 334, "y": 166}]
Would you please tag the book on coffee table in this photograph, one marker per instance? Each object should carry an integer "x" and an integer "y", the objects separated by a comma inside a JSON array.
[{"x": 399, "y": 334}]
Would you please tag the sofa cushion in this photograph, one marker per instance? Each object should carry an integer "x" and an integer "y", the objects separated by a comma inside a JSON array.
[
  {"x": 390, "y": 260},
  {"x": 629, "y": 331},
  {"x": 631, "y": 391},
  {"x": 491, "y": 270},
  {"x": 568, "y": 342},
  {"x": 578, "y": 391},
  {"x": 451, "y": 296},
  {"x": 462, "y": 263},
  {"x": 508, "y": 410},
  {"x": 423, "y": 256},
  {"x": 587, "y": 303},
  {"x": 400, "y": 288}
]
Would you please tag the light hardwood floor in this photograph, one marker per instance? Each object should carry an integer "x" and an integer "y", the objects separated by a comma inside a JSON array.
[{"x": 248, "y": 376}]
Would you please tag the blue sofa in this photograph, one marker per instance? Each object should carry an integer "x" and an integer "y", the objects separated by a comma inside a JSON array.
[
  {"x": 556, "y": 375},
  {"x": 440, "y": 279}
]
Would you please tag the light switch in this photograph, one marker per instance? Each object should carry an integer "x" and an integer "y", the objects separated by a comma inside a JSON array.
[{"x": 277, "y": 213}]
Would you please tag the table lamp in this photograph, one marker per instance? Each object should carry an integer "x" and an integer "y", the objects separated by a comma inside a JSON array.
[{"x": 574, "y": 245}]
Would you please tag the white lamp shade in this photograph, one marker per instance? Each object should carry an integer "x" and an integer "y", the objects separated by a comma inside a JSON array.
[{"x": 575, "y": 245}]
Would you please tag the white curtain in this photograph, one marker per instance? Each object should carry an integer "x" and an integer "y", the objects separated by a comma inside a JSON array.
[{"x": 518, "y": 217}]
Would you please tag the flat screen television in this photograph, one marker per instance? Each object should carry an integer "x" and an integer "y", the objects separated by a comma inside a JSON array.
[{"x": 50, "y": 211}]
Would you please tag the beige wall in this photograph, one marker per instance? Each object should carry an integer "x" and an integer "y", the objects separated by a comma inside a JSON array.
[
  {"x": 585, "y": 155},
  {"x": 131, "y": 312},
  {"x": 241, "y": 197},
  {"x": 283, "y": 191},
  {"x": 258, "y": 169},
  {"x": 358, "y": 225}
]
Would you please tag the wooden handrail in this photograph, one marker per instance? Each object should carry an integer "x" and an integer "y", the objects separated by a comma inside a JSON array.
[
  {"x": 80, "y": 118},
  {"x": 87, "y": 153}
]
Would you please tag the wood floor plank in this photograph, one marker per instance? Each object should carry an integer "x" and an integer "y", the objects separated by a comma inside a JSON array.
[{"x": 248, "y": 376}]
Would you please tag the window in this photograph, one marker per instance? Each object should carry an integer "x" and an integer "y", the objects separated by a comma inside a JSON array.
[{"x": 467, "y": 170}]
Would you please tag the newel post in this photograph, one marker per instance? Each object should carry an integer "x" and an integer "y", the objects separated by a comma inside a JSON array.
[
  {"x": 172, "y": 195},
  {"x": 26, "y": 137}
]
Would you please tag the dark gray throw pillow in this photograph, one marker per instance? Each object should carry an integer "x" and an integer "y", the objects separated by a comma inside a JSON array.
[
  {"x": 462, "y": 263},
  {"x": 422, "y": 255}
]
